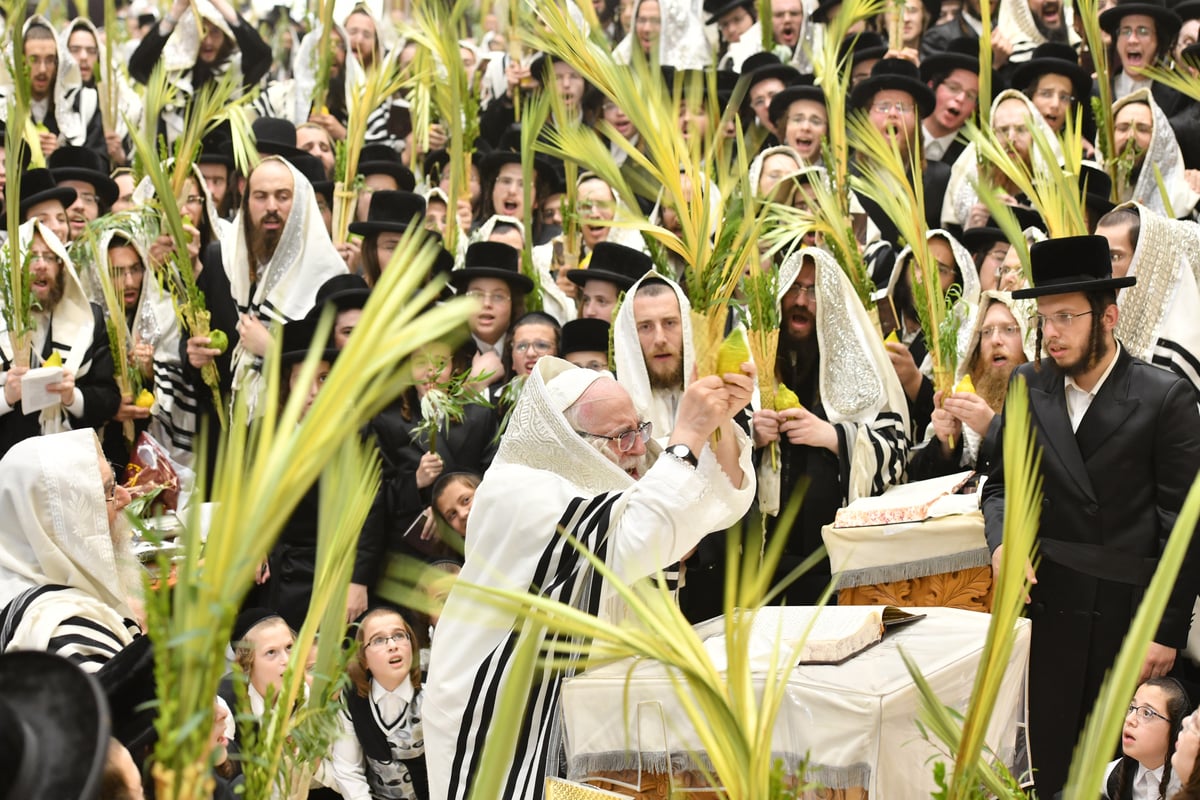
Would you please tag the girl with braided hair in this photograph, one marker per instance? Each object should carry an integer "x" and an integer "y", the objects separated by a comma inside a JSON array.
[{"x": 1153, "y": 722}]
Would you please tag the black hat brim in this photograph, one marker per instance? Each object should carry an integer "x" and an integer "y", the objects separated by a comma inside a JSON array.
[
  {"x": 105, "y": 186},
  {"x": 1167, "y": 21},
  {"x": 946, "y": 63},
  {"x": 1024, "y": 75},
  {"x": 581, "y": 276},
  {"x": 975, "y": 238},
  {"x": 403, "y": 176},
  {"x": 1073, "y": 286},
  {"x": 366, "y": 228},
  {"x": 64, "y": 194},
  {"x": 459, "y": 278},
  {"x": 724, "y": 9},
  {"x": 922, "y": 95}
]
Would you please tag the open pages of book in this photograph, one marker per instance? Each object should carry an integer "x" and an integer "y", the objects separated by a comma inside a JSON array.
[
  {"x": 830, "y": 634},
  {"x": 910, "y": 502}
]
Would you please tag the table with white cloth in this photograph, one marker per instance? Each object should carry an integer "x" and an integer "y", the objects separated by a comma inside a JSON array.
[
  {"x": 942, "y": 561},
  {"x": 856, "y": 721}
]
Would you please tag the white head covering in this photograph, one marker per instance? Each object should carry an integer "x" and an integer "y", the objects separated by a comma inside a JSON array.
[
  {"x": 305, "y": 61},
  {"x": 129, "y": 104},
  {"x": 1016, "y": 22},
  {"x": 538, "y": 435},
  {"x": 966, "y": 305},
  {"x": 631, "y": 364},
  {"x": 183, "y": 45},
  {"x": 287, "y": 284},
  {"x": 71, "y": 322},
  {"x": 756, "y": 166},
  {"x": 682, "y": 42},
  {"x": 1165, "y": 153},
  {"x": 54, "y": 519}
]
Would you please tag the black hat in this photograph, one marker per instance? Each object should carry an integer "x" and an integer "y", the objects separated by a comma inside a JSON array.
[
  {"x": 975, "y": 239},
  {"x": 1166, "y": 20},
  {"x": 310, "y": 167},
  {"x": 899, "y": 75},
  {"x": 276, "y": 137},
  {"x": 858, "y": 47},
  {"x": 298, "y": 336},
  {"x": 128, "y": 682},
  {"x": 54, "y": 728},
  {"x": 38, "y": 186},
  {"x": 343, "y": 292},
  {"x": 1071, "y": 264},
  {"x": 1051, "y": 58},
  {"x": 216, "y": 148},
  {"x": 492, "y": 260},
  {"x": 584, "y": 335},
  {"x": 824, "y": 11},
  {"x": 719, "y": 8},
  {"x": 800, "y": 91},
  {"x": 614, "y": 263},
  {"x": 433, "y": 164},
  {"x": 382, "y": 159},
  {"x": 391, "y": 211},
  {"x": 960, "y": 53},
  {"x": 1097, "y": 189},
  {"x": 1188, "y": 9},
  {"x": 1191, "y": 53},
  {"x": 508, "y": 151},
  {"x": 84, "y": 164},
  {"x": 252, "y": 616}
]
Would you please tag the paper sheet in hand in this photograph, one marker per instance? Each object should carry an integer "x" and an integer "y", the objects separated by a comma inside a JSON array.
[{"x": 34, "y": 393}]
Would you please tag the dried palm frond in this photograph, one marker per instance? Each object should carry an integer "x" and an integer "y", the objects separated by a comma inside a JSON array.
[
  {"x": 1101, "y": 734},
  {"x": 383, "y": 80},
  {"x": 1022, "y": 511},
  {"x": 106, "y": 72},
  {"x": 984, "y": 103},
  {"x": 455, "y": 101},
  {"x": 1006, "y": 221},
  {"x": 218, "y": 101},
  {"x": 764, "y": 22},
  {"x": 537, "y": 114},
  {"x": 761, "y": 292},
  {"x": 262, "y": 474},
  {"x": 1089, "y": 12},
  {"x": 836, "y": 230},
  {"x": 886, "y": 181}
]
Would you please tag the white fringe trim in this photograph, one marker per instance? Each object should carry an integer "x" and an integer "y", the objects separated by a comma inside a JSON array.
[
  {"x": 886, "y": 573},
  {"x": 602, "y": 765}
]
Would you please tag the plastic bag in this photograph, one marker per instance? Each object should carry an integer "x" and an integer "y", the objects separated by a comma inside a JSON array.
[{"x": 151, "y": 468}]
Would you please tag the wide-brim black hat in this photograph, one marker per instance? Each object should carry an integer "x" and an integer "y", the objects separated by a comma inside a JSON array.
[
  {"x": 898, "y": 75},
  {"x": 343, "y": 292},
  {"x": 492, "y": 260},
  {"x": 976, "y": 238},
  {"x": 614, "y": 263},
  {"x": 1167, "y": 21},
  {"x": 1051, "y": 58},
  {"x": 298, "y": 337},
  {"x": 858, "y": 47},
  {"x": 38, "y": 186},
  {"x": 1191, "y": 54},
  {"x": 1071, "y": 264},
  {"x": 489, "y": 167},
  {"x": 960, "y": 53},
  {"x": 54, "y": 728},
  {"x": 276, "y": 137},
  {"x": 1097, "y": 187},
  {"x": 250, "y": 617},
  {"x": 1188, "y": 9},
  {"x": 84, "y": 164},
  {"x": 719, "y": 8},
  {"x": 390, "y": 211},
  {"x": 822, "y": 12},
  {"x": 584, "y": 335},
  {"x": 792, "y": 94},
  {"x": 381, "y": 159}
]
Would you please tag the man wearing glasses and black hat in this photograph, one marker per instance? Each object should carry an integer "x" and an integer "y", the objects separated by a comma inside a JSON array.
[{"x": 1120, "y": 444}]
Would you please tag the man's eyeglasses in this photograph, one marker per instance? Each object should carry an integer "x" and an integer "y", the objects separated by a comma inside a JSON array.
[
  {"x": 1141, "y": 32},
  {"x": 887, "y": 107},
  {"x": 626, "y": 440},
  {"x": 956, "y": 89},
  {"x": 497, "y": 298},
  {"x": 802, "y": 290},
  {"x": 129, "y": 272},
  {"x": 79, "y": 50},
  {"x": 1144, "y": 713},
  {"x": 1062, "y": 320},
  {"x": 1054, "y": 94},
  {"x": 381, "y": 641},
  {"x": 44, "y": 258},
  {"x": 538, "y": 346},
  {"x": 812, "y": 119},
  {"x": 992, "y": 330}
]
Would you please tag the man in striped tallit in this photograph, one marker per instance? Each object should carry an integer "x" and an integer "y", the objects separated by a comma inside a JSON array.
[
  {"x": 68, "y": 582},
  {"x": 575, "y": 460}
]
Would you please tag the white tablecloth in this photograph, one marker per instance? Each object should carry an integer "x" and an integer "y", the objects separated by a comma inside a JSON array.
[{"x": 856, "y": 720}]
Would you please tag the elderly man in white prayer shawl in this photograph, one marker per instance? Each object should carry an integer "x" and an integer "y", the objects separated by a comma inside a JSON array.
[
  {"x": 281, "y": 254},
  {"x": 575, "y": 461},
  {"x": 68, "y": 582},
  {"x": 1158, "y": 315}
]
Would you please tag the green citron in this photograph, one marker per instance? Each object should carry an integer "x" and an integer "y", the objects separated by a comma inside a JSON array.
[
  {"x": 785, "y": 398},
  {"x": 218, "y": 341},
  {"x": 734, "y": 352}
]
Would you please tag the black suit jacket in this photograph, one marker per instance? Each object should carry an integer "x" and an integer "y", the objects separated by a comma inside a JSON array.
[{"x": 1113, "y": 490}]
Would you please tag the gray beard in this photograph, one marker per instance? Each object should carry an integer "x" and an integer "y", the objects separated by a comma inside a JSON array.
[{"x": 129, "y": 569}]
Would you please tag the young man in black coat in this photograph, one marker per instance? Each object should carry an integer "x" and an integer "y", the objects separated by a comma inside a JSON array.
[{"x": 1120, "y": 443}]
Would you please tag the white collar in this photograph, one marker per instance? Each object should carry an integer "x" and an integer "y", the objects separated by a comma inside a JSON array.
[
  {"x": 497, "y": 348},
  {"x": 1069, "y": 381},
  {"x": 404, "y": 691},
  {"x": 1142, "y": 772}
]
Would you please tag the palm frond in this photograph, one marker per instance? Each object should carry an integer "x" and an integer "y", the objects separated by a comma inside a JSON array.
[
  {"x": 324, "y": 54},
  {"x": 218, "y": 101},
  {"x": 984, "y": 103},
  {"x": 1089, "y": 12},
  {"x": 1006, "y": 221},
  {"x": 261, "y": 476},
  {"x": 537, "y": 114},
  {"x": 1103, "y": 727},
  {"x": 16, "y": 296},
  {"x": 1177, "y": 78}
]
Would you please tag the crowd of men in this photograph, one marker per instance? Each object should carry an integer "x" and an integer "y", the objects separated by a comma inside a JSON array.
[{"x": 577, "y": 368}]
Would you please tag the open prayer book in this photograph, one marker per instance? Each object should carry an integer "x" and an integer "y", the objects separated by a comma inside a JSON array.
[
  {"x": 831, "y": 635},
  {"x": 910, "y": 502}
]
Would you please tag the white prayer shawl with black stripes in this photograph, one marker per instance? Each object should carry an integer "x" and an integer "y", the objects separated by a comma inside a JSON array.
[
  {"x": 513, "y": 542},
  {"x": 287, "y": 284},
  {"x": 68, "y": 622}
]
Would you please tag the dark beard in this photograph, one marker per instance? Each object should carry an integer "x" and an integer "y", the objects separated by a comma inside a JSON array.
[
  {"x": 672, "y": 381},
  {"x": 992, "y": 385},
  {"x": 796, "y": 365},
  {"x": 54, "y": 298},
  {"x": 1057, "y": 35},
  {"x": 263, "y": 243},
  {"x": 1097, "y": 350}
]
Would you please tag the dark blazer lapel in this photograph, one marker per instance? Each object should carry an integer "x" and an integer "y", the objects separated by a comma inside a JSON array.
[
  {"x": 1109, "y": 410},
  {"x": 1049, "y": 408}
]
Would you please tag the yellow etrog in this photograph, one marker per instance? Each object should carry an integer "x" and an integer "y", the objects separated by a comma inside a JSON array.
[
  {"x": 735, "y": 351},
  {"x": 785, "y": 398}
]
